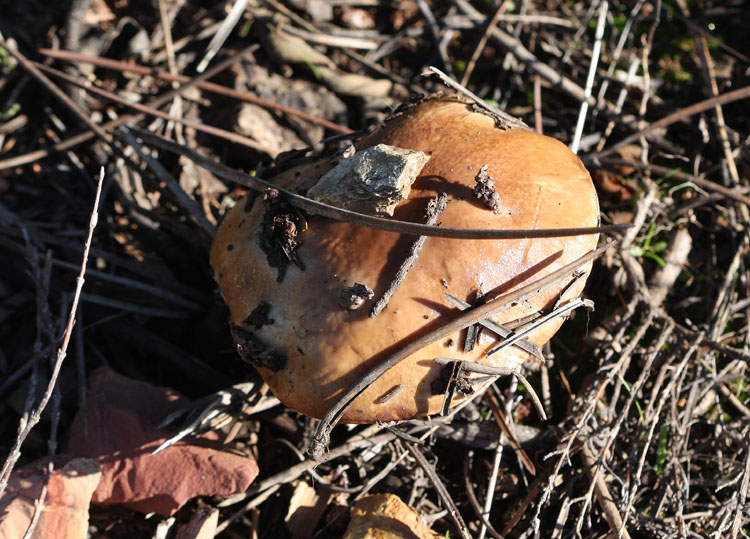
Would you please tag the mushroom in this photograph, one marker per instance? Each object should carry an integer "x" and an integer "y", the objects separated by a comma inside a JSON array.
[{"x": 284, "y": 274}]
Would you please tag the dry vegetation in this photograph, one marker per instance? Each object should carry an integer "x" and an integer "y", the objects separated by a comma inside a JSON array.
[{"x": 648, "y": 396}]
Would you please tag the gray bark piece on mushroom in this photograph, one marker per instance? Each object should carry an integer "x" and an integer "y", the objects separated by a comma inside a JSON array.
[{"x": 373, "y": 181}]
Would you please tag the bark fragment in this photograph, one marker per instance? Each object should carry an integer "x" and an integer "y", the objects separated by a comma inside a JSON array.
[
  {"x": 485, "y": 190},
  {"x": 373, "y": 181}
]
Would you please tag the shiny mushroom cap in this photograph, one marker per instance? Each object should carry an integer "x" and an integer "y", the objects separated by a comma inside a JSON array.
[{"x": 309, "y": 344}]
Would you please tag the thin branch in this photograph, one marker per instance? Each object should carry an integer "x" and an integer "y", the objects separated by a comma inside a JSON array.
[
  {"x": 479, "y": 368},
  {"x": 326, "y": 210},
  {"x": 483, "y": 41},
  {"x": 503, "y": 116},
  {"x": 56, "y": 91},
  {"x": 154, "y": 103},
  {"x": 556, "y": 313},
  {"x": 203, "y": 85},
  {"x": 439, "y": 487},
  {"x": 500, "y": 330},
  {"x": 682, "y": 114},
  {"x": 435, "y": 207},
  {"x": 198, "y": 126},
  {"x": 28, "y": 423}
]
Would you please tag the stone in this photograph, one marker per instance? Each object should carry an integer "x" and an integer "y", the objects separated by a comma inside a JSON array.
[
  {"x": 385, "y": 516},
  {"x": 123, "y": 418},
  {"x": 65, "y": 513}
]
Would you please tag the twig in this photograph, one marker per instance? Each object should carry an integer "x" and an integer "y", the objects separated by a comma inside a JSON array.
[
  {"x": 483, "y": 42},
  {"x": 556, "y": 313},
  {"x": 501, "y": 115},
  {"x": 620, "y": 103},
  {"x": 56, "y": 91},
  {"x": 39, "y": 502},
  {"x": 203, "y": 85},
  {"x": 601, "y": 21},
  {"x": 326, "y": 210},
  {"x": 602, "y": 493},
  {"x": 473, "y": 497},
  {"x": 501, "y": 418},
  {"x": 555, "y": 77},
  {"x": 331, "y": 40},
  {"x": 741, "y": 509},
  {"x": 435, "y": 207},
  {"x": 424, "y": 8},
  {"x": 663, "y": 280},
  {"x": 501, "y": 330},
  {"x": 614, "y": 61},
  {"x": 468, "y": 317},
  {"x": 463, "y": 22},
  {"x": 439, "y": 487},
  {"x": 28, "y": 423},
  {"x": 187, "y": 203},
  {"x": 136, "y": 308},
  {"x": 78, "y": 9},
  {"x": 367, "y": 437},
  {"x": 198, "y": 126},
  {"x": 229, "y": 22},
  {"x": 682, "y": 114},
  {"x": 479, "y": 368},
  {"x": 708, "y": 185},
  {"x": 538, "y": 121},
  {"x": 154, "y": 103},
  {"x": 713, "y": 89}
]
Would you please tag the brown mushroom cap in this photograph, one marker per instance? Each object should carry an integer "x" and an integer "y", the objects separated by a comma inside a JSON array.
[{"x": 541, "y": 185}]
